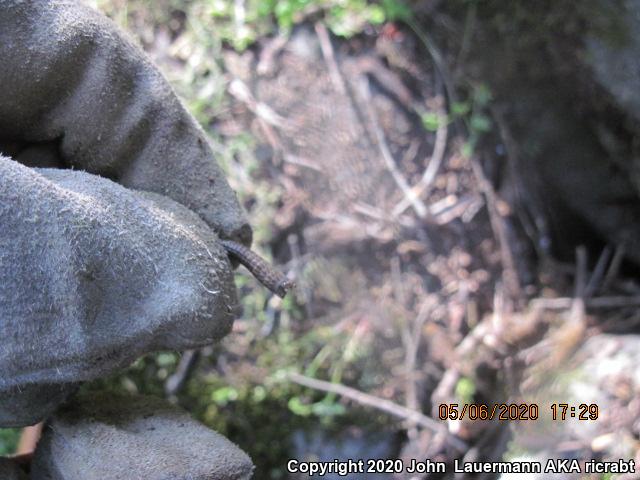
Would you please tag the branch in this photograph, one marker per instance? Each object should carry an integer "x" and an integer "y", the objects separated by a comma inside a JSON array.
[
  {"x": 329, "y": 58},
  {"x": 510, "y": 274},
  {"x": 241, "y": 91},
  {"x": 381, "y": 404},
  {"x": 430, "y": 172},
  {"x": 387, "y": 157},
  {"x": 563, "y": 303}
]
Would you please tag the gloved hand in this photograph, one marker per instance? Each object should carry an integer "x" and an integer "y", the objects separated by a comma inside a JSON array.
[
  {"x": 92, "y": 274},
  {"x": 114, "y": 437}
]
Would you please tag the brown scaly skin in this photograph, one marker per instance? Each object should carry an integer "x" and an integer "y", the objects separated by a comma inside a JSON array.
[{"x": 271, "y": 278}]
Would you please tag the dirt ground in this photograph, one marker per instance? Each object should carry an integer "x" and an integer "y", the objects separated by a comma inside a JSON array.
[
  {"x": 423, "y": 248},
  {"x": 404, "y": 235}
]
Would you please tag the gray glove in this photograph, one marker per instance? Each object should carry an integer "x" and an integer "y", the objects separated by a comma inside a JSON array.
[
  {"x": 69, "y": 77},
  {"x": 93, "y": 275},
  {"x": 107, "y": 437}
]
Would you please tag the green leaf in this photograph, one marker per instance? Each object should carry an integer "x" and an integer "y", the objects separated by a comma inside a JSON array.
[
  {"x": 220, "y": 8},
  {"x": 259, "y": 393},
  {"x": 224, "y": 395},
  {"x": 376, "y": 14},
  {"x": 265, "y": 7},
  {"x": 482, "y": 95},
  {"x": 8, "y": 440},
  {"x": 284, "y": 13},
  {"x": 166, "y": 359},
  {"x": 396, "y": 10},
  {"x": 460, "y": 108},
  {"x": 431, "y": 121},
  {"x": 465, "y": 390},
  {"x": 467, "y": 149},
  {"x": 480, "y": 123},
  {"x": 299, "y": 408}
]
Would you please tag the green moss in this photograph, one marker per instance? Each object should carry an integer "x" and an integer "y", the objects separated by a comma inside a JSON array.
[
  {"x": 8, "y": 440},
  {"x": 240, "y": 388},
  {"x": 241, "y": 24}
]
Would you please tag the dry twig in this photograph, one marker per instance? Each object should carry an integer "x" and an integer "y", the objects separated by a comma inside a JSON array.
[
  {"x": 614, "y": 267},
  {"x": 510, "y": 274},
  {"x": 378, "y": 214},
  {"x": 595, "y": 281},
  {"x": 529, "y": 208},
  {"x": 266, "y": 65},
  {"x": 387, "y": 157},
  {"x": 329, "y": 58},
  {"x": 175, "y": 382},
  {"x": 411, "y": 339},
  {"x": 381, "y": 404},
  {"x": 241, "y": 91},
  {"x": 564, "y": 303},
  {"x": 431, "y": 171}
]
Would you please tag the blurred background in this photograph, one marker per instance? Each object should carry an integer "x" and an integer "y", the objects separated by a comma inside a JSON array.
[{"x": 455, "y": 187}]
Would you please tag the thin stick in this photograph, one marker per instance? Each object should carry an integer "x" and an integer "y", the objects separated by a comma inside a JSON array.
[
  {"x": 411, "y": 338},
  {"x": 437, "y": 57},
  {"x": 381, "y": 404},
  {"x": 302, "y": 161},
  {"x": 173, "y": 385},
  {"x": 389, "y": 162},
  {"x": 530, "y": 210},
  {"x": 266, "y": 65},
  {"x": 241, "y": 91},
  {"x": 510, "y": 274},
  {"x": 614, "y": 267},
  {"x": 576, "y": 326},
  {"x": 580, "y": 281},
  {"x": 564, "y": 303},
  {"x": 239, "y": 14},
  {"x": 598, "y": 273},
  {"x": 378, "y": 214},
  {"x": 431, "y": 171},
  {"x": 467, "y": 34},
  {"x": 329, "y": 58}
]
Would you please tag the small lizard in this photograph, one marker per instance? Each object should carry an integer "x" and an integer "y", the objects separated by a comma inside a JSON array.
[{"x": 271, "y": 278}]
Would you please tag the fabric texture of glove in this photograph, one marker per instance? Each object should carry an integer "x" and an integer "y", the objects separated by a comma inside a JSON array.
[
  {"x": 107, "y": 437},
  {"x": 92, "y": 276},
  {"x": 71, "y": 79}
]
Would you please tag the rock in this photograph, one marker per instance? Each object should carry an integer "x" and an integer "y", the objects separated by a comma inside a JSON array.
[
  {"x": 615, "y": 61},
  {"x": 603, "y": 372}
]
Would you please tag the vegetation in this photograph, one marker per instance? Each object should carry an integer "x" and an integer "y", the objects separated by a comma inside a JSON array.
[
  {"x": 242, "y": 388},
  {"x": 241, "y": 23},
  {"x": 236, "y": 400},
  {"x": 8, "y": 440}
]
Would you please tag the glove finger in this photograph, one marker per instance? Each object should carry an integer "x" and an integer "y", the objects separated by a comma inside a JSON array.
[
  {"x": 69, "y": 75},
  {"x": 93, "y": 436},
  {"x": 92, "y": 276}
]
